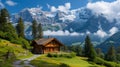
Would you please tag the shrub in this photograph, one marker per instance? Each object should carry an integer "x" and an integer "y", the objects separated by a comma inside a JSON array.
[
  {"x": 55, "y": 55},
  {"x": 110, "y": 64},
  {"x": 118, "y": 57},
  {"x": 64, "y": 65},
  {"x": 49, "y": 55},
  {"x": 73, "y": 54},
  {"x": 66, "y": 55},
  {"x": 61, "y": 55},
  {"x": 106, "y": 63},
  {"x": 70, "y": 55},
  {"x": 23, "y": 42},
  {"x": 99, "y": 61}
]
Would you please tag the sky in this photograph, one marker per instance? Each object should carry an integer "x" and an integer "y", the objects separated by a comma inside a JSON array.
[{"x": 15, "y": 6}]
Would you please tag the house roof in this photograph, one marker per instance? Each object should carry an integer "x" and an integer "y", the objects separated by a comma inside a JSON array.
[{"x": 44, "y": 41}]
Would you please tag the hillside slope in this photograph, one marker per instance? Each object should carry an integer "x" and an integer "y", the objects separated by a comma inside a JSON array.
[
  {"x": 113, "y": 40},
  {"x": 10, "y": 52}
]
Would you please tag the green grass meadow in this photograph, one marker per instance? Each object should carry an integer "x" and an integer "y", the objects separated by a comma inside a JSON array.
[{"x": 44, "y": 61}]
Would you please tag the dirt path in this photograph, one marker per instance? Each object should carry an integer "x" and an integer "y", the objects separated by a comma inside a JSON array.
[{"x": 25, "y": 62}]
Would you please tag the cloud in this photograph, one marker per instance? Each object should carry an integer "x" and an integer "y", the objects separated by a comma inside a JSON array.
[
  {"x": 103, "y": 34},
  {"x": 67, "y": 5},
  {"x": 113, "y": 30},
  {"x": 88, "y": 32},
  {"x": 53, "y": 9},
  {"x": 111, "y": 10},
  {"x": 1, "y": 5},
  {"x": 60, "y": 33},
  {"x": 11, "y": 3},
  {"x": 48, "y": 5},
  {"x": 100, "y": 33},
  {"x": 63, "y": 8}
]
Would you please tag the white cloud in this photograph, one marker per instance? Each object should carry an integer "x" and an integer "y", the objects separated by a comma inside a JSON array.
[
  {"x": 103, "y": 34},
  {"x": 11, "y": 3},
  {"x": 53, "y": 9},
  {"x": 60, "y": 33},
  {"x": 48, "y": 5},
  {"x": 111, "y": 10},
  {"x": 100, "y": 33},
  {"x": 1, "y": 5},
  {"x": 113, "y": 30},
  {"x": 63, "y": 8},
  {"x": 88, "y": 32},
  {"x": 67, "y": 5}
]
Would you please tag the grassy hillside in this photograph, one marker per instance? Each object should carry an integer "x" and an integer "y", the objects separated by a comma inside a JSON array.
[
  {"x": 44, "y": 61},
  {"x": 15, "y": 52}
]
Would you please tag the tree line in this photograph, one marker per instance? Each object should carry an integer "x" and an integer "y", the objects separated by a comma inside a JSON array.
[
  {"x": 88, "y": 50},
  {"x": 16, "y": 34}
]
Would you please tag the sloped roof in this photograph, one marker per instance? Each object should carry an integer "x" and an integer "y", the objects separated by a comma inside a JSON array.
[{"x": 44, "y": 41}]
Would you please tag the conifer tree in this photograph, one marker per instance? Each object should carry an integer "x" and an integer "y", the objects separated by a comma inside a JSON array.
[
  {"x": 34, "y": 29},
  {"x": 20, "y": 28},
  {"x": 78, "y": 50},
  {"x": 99, "y": 53},
  {"x": 4, "y": 15},
  {"x": 92, "y": 53},
  {"x": 6, "y": 27},
  {"x": 87, "y": 46},
  {"x": 89, "y": 50},
  {"x": 4, "y": 18},
  {"x": 40, "y": 32},
  {"x": 111, "y": 55}
]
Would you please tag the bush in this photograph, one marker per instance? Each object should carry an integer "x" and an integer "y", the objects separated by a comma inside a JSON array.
[
  {"x": 70, "y": 55},
  {"x": 66, "y": 55},
  {"x": 12, "y": 37},
  {"x": 61, "y": 55},
  {"x": 118, "y": 57},
  {"x": 106, "y": 63},
  {"x": 49, "y": 55},
  {"x": 55, "y": 55},
  {"x": 23, "y": 42},
  {"x": 99, "y": 61},
  {"x": 110, "y": 64},
  {"x": 73, "y": 54},
  {"x": 64, "y": 65}
]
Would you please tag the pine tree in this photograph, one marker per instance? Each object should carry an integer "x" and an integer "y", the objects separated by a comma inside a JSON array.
[
  {"x": 4, "y": 16},
  {"x": 40, "y": 32},
  {"x": 87, "y": 46},
  {"x": 6, "y": 27},
  {"x": 99, "y": 53},
  {"x": 92, "y": 53},
  {"x": 20, "y": 28},
  {"x": 89, "y": 50},
  {"x": 78, "y": 50},
  {"x": 34, "y": 29},
  {"x": 111, "y": 55}
]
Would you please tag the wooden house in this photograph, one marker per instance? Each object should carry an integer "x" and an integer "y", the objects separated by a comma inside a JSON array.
[{"x": 46, "y": 45}]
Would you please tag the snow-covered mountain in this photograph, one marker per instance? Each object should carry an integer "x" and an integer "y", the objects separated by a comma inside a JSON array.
[{"x": 80, "y": 21}]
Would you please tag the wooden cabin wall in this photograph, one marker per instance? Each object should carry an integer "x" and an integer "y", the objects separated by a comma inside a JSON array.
[
  {"x": 37, "y": 49},
  {"x": 52, "y": 47}
]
